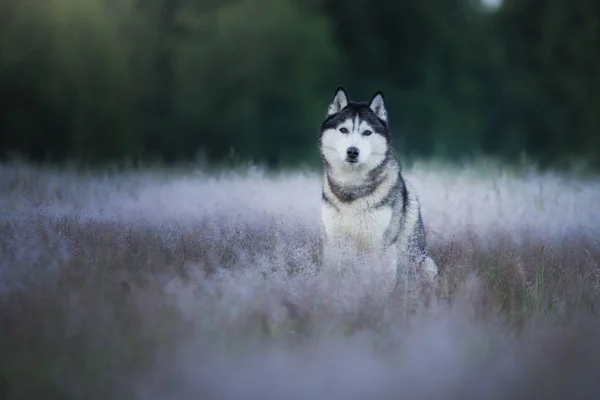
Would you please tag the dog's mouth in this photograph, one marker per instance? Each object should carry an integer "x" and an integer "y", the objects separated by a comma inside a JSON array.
[{"x": 352, "y": 161}]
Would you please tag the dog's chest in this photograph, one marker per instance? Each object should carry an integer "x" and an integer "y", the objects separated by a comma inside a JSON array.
[{"x": 364, "y": 228}]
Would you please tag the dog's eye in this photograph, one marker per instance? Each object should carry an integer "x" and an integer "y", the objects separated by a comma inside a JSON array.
[
  {"x": 343, "y": 130},
  {"x": 367, "y": 132}
]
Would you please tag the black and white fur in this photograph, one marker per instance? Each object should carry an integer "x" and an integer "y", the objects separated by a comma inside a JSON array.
[{"x": 366, "y": 201}]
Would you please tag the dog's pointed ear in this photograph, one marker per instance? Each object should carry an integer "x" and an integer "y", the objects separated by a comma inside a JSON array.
[
  {"x": 377, "y": 105},
  {"x": 340, "y": 100}
]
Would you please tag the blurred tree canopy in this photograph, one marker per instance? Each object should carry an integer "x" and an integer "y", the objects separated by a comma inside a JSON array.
[{"x": 107, "y": 80}]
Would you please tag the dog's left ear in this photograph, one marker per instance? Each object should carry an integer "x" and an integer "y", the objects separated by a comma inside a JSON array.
[{"x": 377, "y": 105}]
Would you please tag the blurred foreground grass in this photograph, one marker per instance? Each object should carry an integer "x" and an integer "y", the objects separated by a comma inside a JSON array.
[{"x": 186, "y": 284}]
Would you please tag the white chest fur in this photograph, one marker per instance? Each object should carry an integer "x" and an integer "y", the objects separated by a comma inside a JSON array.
[
  {"x": 352, "y": 234},
  {"x": 359, "y": 222},
  {"x": 364, "y": 228}
]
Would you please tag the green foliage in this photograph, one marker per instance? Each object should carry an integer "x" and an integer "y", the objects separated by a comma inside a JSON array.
[
  {"x": 253, "y": 75},
  {"x": 66, "y": 79},
  {"x": 551, "y": 60},
  {"x": 100, "y": 80}
]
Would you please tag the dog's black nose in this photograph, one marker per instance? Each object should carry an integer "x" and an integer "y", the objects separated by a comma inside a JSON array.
[{"x": 352, "y": 153}]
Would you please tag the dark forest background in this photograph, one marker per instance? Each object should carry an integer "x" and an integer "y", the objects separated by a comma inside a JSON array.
[{"x": 173, "y": 80}]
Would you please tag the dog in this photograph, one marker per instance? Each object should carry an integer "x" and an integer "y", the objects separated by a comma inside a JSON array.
[{"x": 367, "y": 205}]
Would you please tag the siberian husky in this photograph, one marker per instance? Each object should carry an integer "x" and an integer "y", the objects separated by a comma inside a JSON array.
[{"x": 368, "y": 208}]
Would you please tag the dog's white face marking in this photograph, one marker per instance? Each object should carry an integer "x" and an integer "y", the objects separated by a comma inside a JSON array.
[
  {"x": 354, "y": 135},
  {"x": 355, "y": 145}
]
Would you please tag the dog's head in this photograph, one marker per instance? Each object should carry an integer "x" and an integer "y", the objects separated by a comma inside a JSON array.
[{"x": 354, "y": 135}]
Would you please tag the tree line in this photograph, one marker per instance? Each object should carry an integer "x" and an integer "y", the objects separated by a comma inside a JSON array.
[{"x": 105, "y": 80}]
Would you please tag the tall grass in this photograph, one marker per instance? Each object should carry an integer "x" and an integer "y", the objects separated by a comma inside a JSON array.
[{"x": 186, "y": 284}]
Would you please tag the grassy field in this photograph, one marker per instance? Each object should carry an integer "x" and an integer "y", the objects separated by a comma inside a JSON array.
[{"x": 181, "y": 284}]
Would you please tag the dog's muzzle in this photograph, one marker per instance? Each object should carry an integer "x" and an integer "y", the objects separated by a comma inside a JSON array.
[{"x": 352, "y": 154}]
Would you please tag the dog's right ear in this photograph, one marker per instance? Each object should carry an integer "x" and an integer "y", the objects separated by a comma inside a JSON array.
[{"x": 340, "y": 100}]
